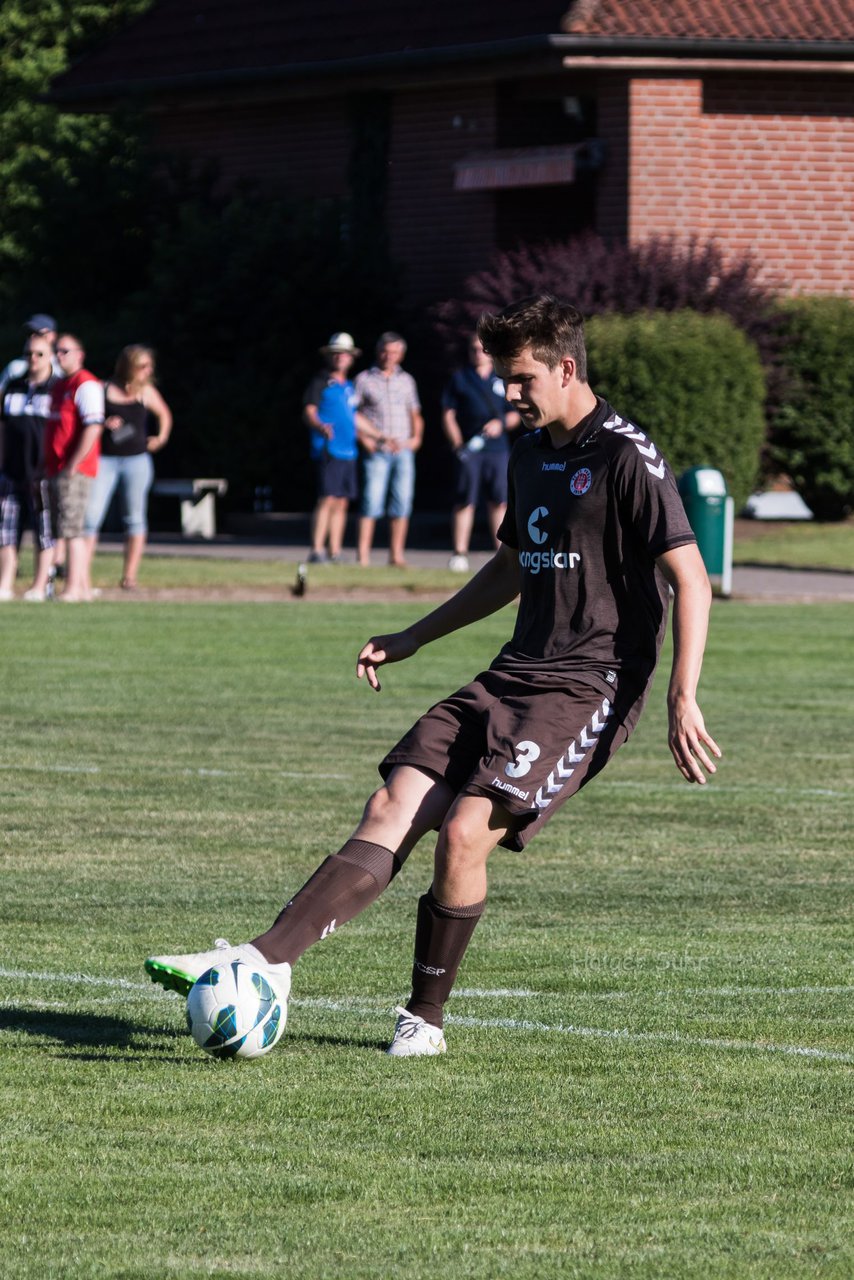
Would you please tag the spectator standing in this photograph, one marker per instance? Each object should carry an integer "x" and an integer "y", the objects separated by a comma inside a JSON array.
[
  {"x": 476, "y": 418},
  {"x": 388, "y": 398},
  {"x": 72, "y": 446},
  {"x": 329, "y": 410},
  {"x": 132, "y": 401},
  {"x": 39, "y": 326},
  {"x": 24, "y": 411}
]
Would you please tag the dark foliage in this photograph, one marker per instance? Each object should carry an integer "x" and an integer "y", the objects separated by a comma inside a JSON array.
[
  {"x": 601, "y": 278},
  {"x": 812, "y": 432},
  {"x": 693, "y": 383}
]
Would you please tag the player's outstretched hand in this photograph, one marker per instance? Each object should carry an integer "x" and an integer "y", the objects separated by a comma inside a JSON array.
[
  {"x": 382, "y": 649},
  {"x": 688, "y": 741}
]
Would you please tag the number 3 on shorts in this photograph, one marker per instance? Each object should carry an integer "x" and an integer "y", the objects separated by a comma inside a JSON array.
[{"x": 526, "y": 754}]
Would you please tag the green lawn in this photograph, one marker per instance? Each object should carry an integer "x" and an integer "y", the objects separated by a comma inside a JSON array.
[
  {"x": 798, "y": 544},
  {"x": 650, "y": 1055}
]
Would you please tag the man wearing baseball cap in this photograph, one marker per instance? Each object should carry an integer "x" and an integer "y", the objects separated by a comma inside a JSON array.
[
  {"x": 39, "y": 325},
  {"x": 329, "y": 411}
]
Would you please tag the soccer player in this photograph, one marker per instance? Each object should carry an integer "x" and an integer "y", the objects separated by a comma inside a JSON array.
[{"x": 593, "y": 537}]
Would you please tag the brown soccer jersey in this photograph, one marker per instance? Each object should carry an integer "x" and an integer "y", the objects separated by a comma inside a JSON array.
[{"x": 588, "y": 521}]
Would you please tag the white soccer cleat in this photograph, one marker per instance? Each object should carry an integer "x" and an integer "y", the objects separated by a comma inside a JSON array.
[
  {"x": 415, "y": 1038},
  {"x": 178, "y": 973}
]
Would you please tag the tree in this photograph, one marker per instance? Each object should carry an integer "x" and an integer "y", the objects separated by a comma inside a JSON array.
[{"x": 44, "y": 151}]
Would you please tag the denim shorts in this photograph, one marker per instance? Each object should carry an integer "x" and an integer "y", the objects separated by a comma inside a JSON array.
[
  {"x": 135, "y": 475},
  {"x": 389, "y": 484}
]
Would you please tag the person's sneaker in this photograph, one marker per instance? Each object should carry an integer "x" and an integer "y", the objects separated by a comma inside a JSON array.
[
  {"x": 34, "y": 594},
  {"x": 6, "y": 595},
  {"x": 317, "y": 557},
  {"x": 178, "y": 973},
  {"x": 415, "y": 1038},
  {"x": 458, "y": 563}
]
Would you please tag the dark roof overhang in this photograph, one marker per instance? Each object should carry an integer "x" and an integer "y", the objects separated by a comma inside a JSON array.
[{"x": 499, "y": 58}]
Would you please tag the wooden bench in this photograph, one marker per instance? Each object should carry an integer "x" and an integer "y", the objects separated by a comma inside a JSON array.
[{"x": 198, "y": 503}]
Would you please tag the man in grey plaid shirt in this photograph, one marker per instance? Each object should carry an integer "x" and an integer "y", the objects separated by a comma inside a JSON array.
[{"x": 388, "y": 398}]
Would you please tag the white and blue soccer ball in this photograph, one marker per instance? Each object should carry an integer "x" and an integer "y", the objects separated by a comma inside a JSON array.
[{"x": 234, "y": 1011}]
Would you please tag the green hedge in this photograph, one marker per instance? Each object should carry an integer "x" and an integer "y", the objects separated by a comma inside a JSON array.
[
  {"x": 693, "y": 383},
  {"x": 812, "y": 436}
]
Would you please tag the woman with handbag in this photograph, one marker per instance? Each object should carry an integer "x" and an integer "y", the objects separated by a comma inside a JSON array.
[{"x": 133, "y": 406}]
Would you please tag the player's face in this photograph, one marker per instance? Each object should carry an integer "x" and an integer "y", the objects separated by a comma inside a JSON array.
[{"x": 537, "y": 392}]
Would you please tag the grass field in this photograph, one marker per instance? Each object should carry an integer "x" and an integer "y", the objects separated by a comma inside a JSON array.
[
  {"x": 797, "y": 544},
  {"x": 650, "y": 1056}
]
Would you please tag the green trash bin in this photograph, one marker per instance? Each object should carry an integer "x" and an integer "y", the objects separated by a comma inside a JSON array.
[{"x": 710, "y": 513}]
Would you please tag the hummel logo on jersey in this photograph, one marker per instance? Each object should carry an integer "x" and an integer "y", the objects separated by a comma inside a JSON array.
[{"x": 554, "y": 466}]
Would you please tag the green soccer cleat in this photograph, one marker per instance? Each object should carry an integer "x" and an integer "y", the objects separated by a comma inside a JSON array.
[{"x": 179, "y": 973}]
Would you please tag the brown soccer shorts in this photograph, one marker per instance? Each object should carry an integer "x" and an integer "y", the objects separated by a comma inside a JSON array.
[{"x": 527, "y": 743}]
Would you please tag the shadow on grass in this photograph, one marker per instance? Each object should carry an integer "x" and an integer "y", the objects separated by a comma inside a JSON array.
[
  {"x": 334, "y": 1041},
  {"x": 84, "y": 1030}
]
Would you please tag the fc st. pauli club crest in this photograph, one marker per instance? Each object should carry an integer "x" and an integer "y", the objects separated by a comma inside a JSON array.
[{"x": 581, "y": 482}]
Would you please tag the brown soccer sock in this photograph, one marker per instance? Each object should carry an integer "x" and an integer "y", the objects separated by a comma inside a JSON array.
[
  {"x": 441, "y": 937},
  {"x": 340, "y": 888}
]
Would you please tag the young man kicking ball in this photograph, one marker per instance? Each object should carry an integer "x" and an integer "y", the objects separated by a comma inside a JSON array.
[{"x": 594, "y": 535}]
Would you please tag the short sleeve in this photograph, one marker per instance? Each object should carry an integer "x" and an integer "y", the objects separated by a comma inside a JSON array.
[
  {"x": 507, "y": 532},
  {"x": 314, "y": 391},
  {"x": 89, "y": 402},
  {"x": 414, "y": 402},
  {"x": 450, "y": 395},
  {"x": 648, "y": 496}
]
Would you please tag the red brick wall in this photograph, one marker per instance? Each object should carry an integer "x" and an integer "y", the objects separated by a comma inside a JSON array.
[
  {"x": 440, "y": 235},
  {"x": 762, "y": 163}
]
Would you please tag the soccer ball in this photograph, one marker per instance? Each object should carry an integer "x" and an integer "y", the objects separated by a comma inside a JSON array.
[{"x": 233, "y": 1011}]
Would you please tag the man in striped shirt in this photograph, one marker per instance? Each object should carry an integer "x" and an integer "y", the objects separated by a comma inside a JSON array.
[{"x": 388, "y": 398}]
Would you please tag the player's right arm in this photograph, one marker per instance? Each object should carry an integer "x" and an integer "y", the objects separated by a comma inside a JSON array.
[{"x": 493, "y": 587}]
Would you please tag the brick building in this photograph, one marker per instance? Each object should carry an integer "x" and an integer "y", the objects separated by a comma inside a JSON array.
[{"x": 465, "y": 127}]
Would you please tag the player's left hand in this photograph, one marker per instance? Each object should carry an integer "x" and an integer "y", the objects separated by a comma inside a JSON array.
[
  {"x": 382, "y": 649},
  {"x": 688, "y": 741}
]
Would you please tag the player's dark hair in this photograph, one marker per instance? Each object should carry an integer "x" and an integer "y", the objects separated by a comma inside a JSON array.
[{"x": 551, "y": 327}]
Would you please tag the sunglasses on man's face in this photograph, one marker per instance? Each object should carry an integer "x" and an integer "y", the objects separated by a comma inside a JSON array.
[{"x": 66, "y": 351}]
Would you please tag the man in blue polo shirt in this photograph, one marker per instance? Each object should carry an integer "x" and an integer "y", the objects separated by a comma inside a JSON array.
[
  {"x": 329, "y": 410},
  {"x": 476, "y": 419}
]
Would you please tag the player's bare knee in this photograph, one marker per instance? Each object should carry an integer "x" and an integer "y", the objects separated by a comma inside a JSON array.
[
  {"x": 380, "y": 807},
  {"x": 463, "y": 843}
]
